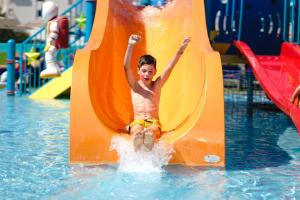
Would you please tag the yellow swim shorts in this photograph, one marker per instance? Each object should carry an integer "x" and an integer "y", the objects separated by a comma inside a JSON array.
[{"x": 145, "y": 122}]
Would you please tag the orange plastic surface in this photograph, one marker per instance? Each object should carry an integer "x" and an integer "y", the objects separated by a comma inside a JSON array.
[{"x": 191, "y": 106}]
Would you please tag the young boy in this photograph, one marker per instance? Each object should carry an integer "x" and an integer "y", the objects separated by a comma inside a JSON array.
[{"x": 145, "y": 94}]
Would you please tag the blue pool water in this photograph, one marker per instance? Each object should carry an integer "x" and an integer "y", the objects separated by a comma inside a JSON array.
[{"x": 263, "y": 160}]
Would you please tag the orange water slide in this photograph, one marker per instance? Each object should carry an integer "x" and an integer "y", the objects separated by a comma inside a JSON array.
[{"x": 191, "y": 107}]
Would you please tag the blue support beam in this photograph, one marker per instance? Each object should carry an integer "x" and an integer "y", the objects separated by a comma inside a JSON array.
[
  {"x": 90, "y": 9},
  {"x": 284, "y": 20},
  {"x": 298, "y": 25},
  {"x": 10, "y": 65},
  {"x": 241, "y": 20}
]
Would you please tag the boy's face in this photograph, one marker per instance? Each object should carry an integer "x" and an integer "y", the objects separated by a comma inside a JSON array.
[{"x": 146, "y": 73}]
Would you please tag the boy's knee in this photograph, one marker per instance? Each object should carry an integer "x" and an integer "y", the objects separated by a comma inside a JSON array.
[
  {"x": 152, "y": 134},
  {"x": 136, "y": 129},
  {"x": 149, "y": 136},
  {"x": 149, "y": 133},
  {"x": 156, "y": 131}
]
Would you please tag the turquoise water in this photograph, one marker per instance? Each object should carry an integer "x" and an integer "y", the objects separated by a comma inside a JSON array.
[{"x": 263, "y": 160}]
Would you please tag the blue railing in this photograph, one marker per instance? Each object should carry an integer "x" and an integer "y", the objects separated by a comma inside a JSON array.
[{"x": 29, "y": 79}]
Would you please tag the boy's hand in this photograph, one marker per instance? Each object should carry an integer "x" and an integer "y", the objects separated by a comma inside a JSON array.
[
  {"x": 133, "y": 39},
  {"x": 184, "y": 44}
]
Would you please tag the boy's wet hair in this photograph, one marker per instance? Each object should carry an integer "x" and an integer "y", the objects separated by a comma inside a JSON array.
[{"x": 147, "y": 59}]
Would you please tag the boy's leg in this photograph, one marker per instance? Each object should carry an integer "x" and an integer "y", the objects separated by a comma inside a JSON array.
[
  {"x": 151, "y": 134},
  {"x": 136, "y": 131}
]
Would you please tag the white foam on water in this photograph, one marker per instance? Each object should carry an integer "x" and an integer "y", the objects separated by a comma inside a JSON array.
[{"x": 142, "y": 161}]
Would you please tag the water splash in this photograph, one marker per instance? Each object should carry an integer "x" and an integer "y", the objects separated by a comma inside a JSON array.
[{"x": 142, "y": 161}]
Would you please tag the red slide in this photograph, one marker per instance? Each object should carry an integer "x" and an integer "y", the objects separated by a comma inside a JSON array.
[{"x": 278, "y": 75}]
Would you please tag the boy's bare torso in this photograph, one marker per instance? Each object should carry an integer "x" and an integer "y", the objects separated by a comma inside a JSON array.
[{"x": 145, "y": 100}]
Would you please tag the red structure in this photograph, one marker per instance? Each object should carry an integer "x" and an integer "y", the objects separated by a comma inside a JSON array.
[{"x": 278, "y": 75}]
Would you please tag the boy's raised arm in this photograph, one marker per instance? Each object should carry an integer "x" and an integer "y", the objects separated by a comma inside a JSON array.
[
  {"x": 133, "y": 39},
  {"x": 166, "y": 73}
]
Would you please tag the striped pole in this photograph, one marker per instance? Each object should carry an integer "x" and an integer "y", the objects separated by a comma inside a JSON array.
[
  {"x": 10, "y": 66},
  {"x": 20, "y": 82}
]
